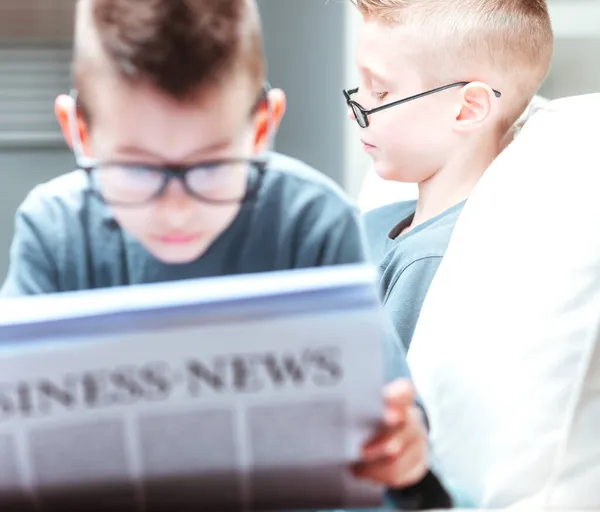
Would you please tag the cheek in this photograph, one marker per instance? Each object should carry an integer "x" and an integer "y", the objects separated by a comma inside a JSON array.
[
  {"x": 213, "y": 220},
  {"x": 193, "y": 217},
  {"x": 406, "y": 126},
  {"x": 409, "y": 143},
  {"x": 390, "y": 129},
  {"x": 135, "y": 220}
]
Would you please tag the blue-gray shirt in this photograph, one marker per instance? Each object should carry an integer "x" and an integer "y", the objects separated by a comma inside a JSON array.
[
  {"x": 67, "y": 239},
  {"x": 408, "y": 261}
]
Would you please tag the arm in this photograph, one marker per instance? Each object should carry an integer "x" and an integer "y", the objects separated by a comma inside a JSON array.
[
  {"x": 397, "y": 456},
  {"x": 345, "y": 244},
  {"x": 403, "y": 302},
  {"x": 405, "y": 296},
  {"x": 32, "y": 268}
]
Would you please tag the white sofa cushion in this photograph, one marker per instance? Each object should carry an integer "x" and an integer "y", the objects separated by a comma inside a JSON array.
[{"x": 506, "y": 353}]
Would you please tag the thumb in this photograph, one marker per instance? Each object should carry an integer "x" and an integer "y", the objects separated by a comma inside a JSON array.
[{"x": 399, "y": 394}]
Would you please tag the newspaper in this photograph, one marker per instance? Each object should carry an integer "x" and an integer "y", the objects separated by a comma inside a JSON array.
[{"x": 236, "y": 393}]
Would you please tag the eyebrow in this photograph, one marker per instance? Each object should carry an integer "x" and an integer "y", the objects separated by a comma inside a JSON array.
[{"x": 135, "y": 151}]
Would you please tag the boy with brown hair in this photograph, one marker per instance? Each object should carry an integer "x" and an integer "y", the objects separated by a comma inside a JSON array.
[
  {"x": 442, "y": 82},
  {"x": 170, "y": 124}
]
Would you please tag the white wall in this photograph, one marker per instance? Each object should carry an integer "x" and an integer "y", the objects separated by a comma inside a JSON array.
[
  {"x": 576, "y": 68},
  {"x": 306, "y": 52}
]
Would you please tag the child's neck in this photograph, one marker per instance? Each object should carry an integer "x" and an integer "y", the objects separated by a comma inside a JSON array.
[{"x": 453, "y": 183}]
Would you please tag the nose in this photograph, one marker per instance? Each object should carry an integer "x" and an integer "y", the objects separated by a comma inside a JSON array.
[{"x": 176, "y": 205}]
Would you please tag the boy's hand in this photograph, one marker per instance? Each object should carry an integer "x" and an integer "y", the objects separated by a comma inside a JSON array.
[{"x": 397, "y": 455}]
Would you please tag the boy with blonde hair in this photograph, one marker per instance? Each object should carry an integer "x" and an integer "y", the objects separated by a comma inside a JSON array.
[{"x": 442, "y": 82}]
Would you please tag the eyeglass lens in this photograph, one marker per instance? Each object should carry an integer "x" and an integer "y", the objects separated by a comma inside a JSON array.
[{"x": 131, "y": 184}]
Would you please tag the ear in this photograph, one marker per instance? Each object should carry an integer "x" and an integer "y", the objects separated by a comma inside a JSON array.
[
  {"x": 475, "y": 107},
  {"x": 269, "y": 119},
  {"x": 63, "y": 106}
]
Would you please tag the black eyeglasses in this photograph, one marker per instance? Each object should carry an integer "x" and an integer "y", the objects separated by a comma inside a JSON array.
[
  {"x": 130, "y": 184},
  {"x": 362, "y": 114},
  {"x": 219, "y": 182}
]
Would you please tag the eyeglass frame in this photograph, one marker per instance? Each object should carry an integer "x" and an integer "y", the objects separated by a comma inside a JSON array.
[
  {"x": 366, "y": 113},
  {"x": 169, "y": 172}
]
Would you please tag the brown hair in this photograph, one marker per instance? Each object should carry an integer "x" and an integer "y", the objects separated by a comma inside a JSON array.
[
  {"x": 177, "y": 46},
  {"x": 512, "y": 38}
]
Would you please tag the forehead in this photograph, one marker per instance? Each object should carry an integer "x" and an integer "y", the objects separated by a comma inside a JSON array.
[
  {"x": 386, "y": 51},
  {"x": 139, "y": 116}
]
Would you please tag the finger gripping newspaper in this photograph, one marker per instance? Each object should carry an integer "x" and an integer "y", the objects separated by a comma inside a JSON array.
[{"x": 236, "y": 393}]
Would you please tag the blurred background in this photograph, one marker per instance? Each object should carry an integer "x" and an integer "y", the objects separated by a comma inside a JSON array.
[{"x": 309, "y": 45}]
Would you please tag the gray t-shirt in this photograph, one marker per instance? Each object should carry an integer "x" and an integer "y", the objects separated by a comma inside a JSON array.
[
  {"x": 67, "y": 240},
  {"x": 407, "y": 261}
]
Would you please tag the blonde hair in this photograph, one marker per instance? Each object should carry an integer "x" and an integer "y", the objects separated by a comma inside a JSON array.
[{"x": 509, "y": 39}]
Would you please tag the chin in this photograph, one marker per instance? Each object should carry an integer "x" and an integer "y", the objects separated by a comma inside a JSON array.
[
  {"x": 178, "y": 255},
  {"x": 385, "y": 171},
  {"x": 388, "y": 172}
]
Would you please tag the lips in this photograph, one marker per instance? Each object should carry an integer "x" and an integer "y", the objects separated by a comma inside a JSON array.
[
  {"x": 178, "y": 238},
  {"x": 367, "y": 146}
]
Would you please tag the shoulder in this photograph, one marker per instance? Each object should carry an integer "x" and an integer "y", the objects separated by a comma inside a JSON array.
[
  {"x": 399, "y": 208},
  {"x": 47, "y": 236},
  {"x": 421, "y": 250},
  {"x": 56, "y": 197},
  {"x": 432, "y": 238},
  {"x": 59, "y": 211},
  {"x": 287, "y": 167},
  {"x": 301, "y": 186},
  {"x": 381, "y": 221},
  {"x": 305, "y": 217}
]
